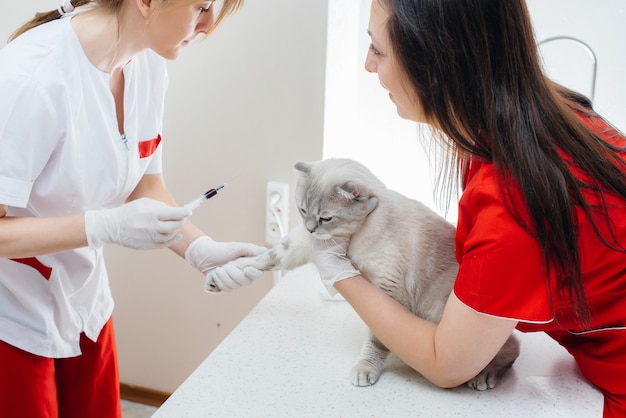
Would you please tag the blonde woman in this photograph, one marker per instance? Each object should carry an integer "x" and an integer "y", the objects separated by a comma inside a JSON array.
[{"x": 80, "y": 166}]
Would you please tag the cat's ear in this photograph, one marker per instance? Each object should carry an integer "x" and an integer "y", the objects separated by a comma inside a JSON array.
[
  {"x": 349, "y": 190},
  {"x": 303, "y": 168}
]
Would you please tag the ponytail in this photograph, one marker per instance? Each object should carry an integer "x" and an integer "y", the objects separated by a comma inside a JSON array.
[{"x": 45, "y": 17}]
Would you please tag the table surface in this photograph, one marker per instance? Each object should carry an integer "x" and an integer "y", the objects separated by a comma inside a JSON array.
[{"x": 291, "y": 357}]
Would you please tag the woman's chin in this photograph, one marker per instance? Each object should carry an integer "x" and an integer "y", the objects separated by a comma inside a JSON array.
[{"x": 404, "y": 115}]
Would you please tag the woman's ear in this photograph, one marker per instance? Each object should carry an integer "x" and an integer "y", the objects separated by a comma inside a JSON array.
[{"x": 146, "y": 8}]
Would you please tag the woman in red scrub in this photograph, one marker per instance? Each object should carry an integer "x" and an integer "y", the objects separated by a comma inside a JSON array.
[{"x": 542, "y": 219}]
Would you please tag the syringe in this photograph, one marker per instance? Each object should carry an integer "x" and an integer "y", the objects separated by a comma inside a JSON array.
[{"x": 194, "y": 204}]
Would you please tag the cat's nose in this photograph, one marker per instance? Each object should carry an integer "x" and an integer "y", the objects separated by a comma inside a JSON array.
[{"x": 311, "y": 226}]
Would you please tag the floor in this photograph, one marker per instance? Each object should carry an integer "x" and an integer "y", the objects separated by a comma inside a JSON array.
[{"x": 137, "y": 410}]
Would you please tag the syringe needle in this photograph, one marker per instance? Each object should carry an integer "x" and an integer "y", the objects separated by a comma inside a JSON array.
[{"x": 194, "y": 204}]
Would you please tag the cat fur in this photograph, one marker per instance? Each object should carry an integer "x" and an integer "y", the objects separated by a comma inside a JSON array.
[{"x": 397, "y": 243}]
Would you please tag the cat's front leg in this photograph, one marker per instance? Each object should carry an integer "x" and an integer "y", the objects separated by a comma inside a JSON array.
[
  {"x": 490, "y": 375},
  {"x": 293, "y": 251},
  {"x": 263, "y": 262},
  {"x": 370, "y": 364}
]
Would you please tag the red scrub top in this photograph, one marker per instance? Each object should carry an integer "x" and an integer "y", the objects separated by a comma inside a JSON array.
[{"x": 501, "y": 273}]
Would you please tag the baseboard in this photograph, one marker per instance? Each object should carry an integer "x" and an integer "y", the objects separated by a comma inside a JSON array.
[{"x": 143, "y": 395}]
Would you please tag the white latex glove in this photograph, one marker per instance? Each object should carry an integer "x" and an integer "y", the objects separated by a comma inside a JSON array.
[
  {"x": 331, "y": 258},
  {"x": 141, "y": 224},
  {"x": 211, "y": 258}
]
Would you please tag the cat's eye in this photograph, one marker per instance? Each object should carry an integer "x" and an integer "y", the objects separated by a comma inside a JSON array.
[
  {"x": 302, "y": 211},
  {"x": 326, "y": 219}
]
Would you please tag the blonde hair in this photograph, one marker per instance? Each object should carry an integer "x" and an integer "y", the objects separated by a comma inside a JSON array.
[{"x": 229, "y": 7}]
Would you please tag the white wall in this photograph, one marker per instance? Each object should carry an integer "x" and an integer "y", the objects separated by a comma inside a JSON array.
[
  {"x": 243, "y": 106},
  {"x": 602, "y": 26}
]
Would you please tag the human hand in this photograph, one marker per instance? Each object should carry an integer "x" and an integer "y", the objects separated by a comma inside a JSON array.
[
  {"x": 331, "y": 258},
  {"x": 212, "y": 258},
  {"x": 141, "y": 224}
]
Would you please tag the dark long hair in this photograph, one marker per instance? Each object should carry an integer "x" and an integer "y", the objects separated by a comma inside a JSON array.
[{"x": 475, "y": 68}]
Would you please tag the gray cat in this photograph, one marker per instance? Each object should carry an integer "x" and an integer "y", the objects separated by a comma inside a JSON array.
[{"x": 397, "y": 243}]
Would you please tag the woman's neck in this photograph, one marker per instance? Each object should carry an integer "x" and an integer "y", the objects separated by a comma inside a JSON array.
[{"x": 108, "y": 43}]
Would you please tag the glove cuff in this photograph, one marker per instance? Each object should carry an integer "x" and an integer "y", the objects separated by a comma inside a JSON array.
[
  {"x": 91, "y": 229},
  {"x": 195, "y": 254},
  {"x": 346, "y": 274}
]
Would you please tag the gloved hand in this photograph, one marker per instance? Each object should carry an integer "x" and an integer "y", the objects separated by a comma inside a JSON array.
[
  {"x": 331, "y": 258},
  {"x": 211, "y": 258},
  {"x": 141, "y": 224}
]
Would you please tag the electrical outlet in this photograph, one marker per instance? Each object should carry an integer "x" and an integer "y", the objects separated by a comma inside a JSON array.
[{"x": 276, "y": 211}]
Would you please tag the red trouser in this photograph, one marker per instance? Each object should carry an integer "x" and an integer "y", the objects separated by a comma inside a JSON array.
[{"x": 83, "y": 386}]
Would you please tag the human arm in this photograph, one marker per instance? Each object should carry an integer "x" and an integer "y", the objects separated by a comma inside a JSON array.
[
  {"x": 153, "y": 186},
  {"x": 22, "y": 237},
  {"x": 449, "y": 353},
  {"x": 32, "y": 236},
  {"x": 201, "y": 251},
  {"x": 143, "y": 224}
]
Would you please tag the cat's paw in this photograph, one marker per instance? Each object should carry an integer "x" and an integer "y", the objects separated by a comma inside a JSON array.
[
  {"x": 364, "y": 374},
  {"x": 487, "y": 379},
  {"x": 259, "y": 262}
]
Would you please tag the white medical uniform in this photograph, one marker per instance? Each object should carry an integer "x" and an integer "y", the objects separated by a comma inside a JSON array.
[{"x": 61, "y": 153}]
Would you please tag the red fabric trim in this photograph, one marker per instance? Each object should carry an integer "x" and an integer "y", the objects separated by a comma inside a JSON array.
[
  {"x": 44, "y": 270},
  {"x": 147, "y": 148}
]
